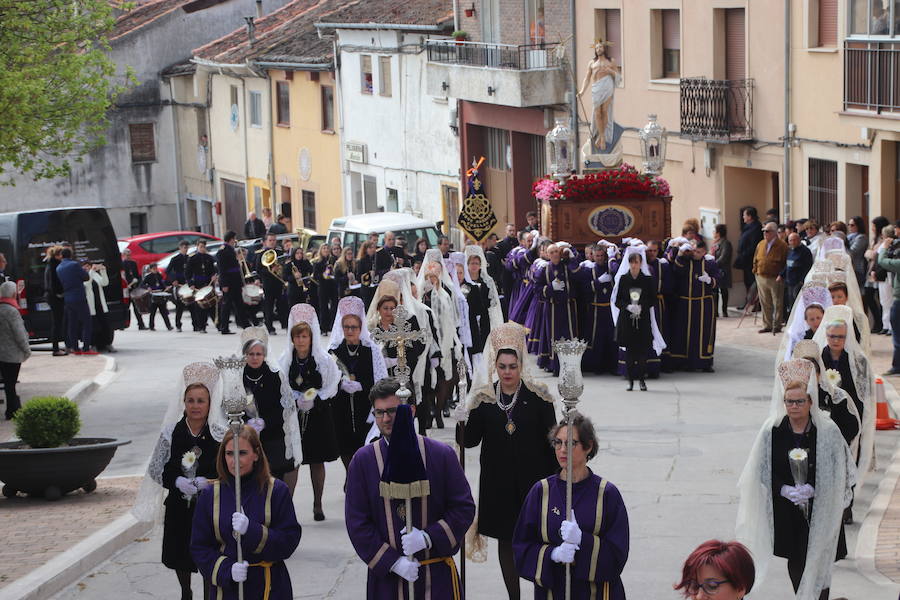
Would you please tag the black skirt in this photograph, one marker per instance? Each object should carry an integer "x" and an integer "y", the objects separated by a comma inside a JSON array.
[{"x": 317, "y": 434}]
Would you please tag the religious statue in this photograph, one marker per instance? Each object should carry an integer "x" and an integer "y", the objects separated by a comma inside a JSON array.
[{"x": 601, "y": 76}]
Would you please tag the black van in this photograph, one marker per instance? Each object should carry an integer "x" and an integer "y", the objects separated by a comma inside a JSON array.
[{"x": 24, "y": 239}]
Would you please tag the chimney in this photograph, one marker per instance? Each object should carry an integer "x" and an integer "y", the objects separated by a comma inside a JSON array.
[
  {"x": 251, "y": 28},
  {"x": 259, "y": 9}
]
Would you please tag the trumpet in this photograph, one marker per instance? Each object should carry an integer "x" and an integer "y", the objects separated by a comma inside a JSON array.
[
  {"x": 245, "y": 269},
  {"x": 269, "y": 260},
  {"x": 298, "y": 277}
]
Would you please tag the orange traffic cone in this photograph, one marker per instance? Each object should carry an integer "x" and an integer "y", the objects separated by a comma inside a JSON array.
[{"x": 883, "y": 419}]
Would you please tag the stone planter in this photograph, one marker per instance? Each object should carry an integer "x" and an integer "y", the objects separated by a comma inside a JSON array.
[{"x": 52, "y": 472}]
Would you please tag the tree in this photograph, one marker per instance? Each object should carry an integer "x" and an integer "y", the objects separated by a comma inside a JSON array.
[{"x": 56, "y": 84}]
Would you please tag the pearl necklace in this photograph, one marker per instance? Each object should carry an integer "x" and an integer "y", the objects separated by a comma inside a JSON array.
[
  {"x": 508, "y": 408},
  {"x": 253, "y": 380},
  {"x": 353, "y": 352}
]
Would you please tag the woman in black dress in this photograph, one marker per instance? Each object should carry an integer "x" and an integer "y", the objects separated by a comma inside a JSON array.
[
  {"x": 361, "y": 364},
  {"x": 313, "y": 376},
  {"x": 182, "y": 462},
  {"x": 510, "y": 418},
  {"x": 275, "y": 418},
  {"x": 635, "y": 299},
  {"x": 365, "y": 272},
  {"x": 326, "y": 286},
  {"x": 298, "y": 273},
  {"x": 345, "y": 273}
]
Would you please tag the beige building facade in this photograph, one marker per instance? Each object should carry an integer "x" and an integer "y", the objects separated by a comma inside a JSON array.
[{"x": 712, "y": 71}]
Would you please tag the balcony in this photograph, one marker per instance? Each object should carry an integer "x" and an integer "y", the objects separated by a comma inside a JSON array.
[
  {"x": 872, "y": 76},
  {"x": 717, "y": 110},
  {"x": 502, "y": 74}
]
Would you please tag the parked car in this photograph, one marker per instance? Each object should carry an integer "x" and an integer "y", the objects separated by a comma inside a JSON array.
[
  {"x": 24, "y": 239},
  {"x": 355, "y": 229},
  {"x": 151, "y": 247}
]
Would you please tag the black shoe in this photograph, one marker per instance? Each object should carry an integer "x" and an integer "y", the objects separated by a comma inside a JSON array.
[
  {"x": 169, "y": 328},
  {"x": 203, "y": 330},
  {"x": 318, "y": 515},
  {"x": 446, "y": 412},
  {"x": 153, "y": 329},
  {"x": 630, "y": 385},
  {"x": 271, "y": 331},
  {"x": 178, "y": 328},
  {"x": 643, "y": 386},
  {"x": 141, "y": 327},
  {"x": 439, "y": 421},
  {"x": 227, "y": 332},
  {"x": 890, "y": 372}
]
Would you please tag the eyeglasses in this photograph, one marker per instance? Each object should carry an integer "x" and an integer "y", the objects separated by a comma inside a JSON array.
[
  {"x": 557, "y": 443},
  {"x": 770, "y": 231},
  {"x": 350, "y": 327},
  {"x": 709, "y": 587},
  {"x": 832, "y": 336},
  {"x": 381, "y": 412},
  {"x": 795, "y": 402}
]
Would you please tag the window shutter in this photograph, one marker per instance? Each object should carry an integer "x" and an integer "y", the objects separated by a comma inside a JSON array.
[
  {"x": 735, "y": 49},
  {"x": 614, "y": 34},
  {"x": 828, "y": 22},
  {"x": 671, "y": 30},
  {"x": 143, "y": 146}
]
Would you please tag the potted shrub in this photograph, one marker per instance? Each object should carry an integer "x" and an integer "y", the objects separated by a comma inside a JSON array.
[
  {"x": 460, "y": 36},
  {"x": 48, "y": 460}
]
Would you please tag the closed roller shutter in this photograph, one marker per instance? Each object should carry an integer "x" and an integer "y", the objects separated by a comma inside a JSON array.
[
  {"x": 828, "y": 22},
  {"x": 671, "y": 30},
  {"x": 735, "y": 47},
  {"x": 614, "y": 34}
]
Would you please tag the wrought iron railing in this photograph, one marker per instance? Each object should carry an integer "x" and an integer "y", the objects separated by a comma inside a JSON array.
[
  {"x": 497, "y": 56},
  {"x": 872, "y": 76},
  {"x": 716, "y": 109}
]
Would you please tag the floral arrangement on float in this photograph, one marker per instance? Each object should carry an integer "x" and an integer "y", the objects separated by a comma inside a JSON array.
[{"x": 621, "y": 182}]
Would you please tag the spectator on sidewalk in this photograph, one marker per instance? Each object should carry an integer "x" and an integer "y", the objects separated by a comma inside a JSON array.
[
  {"x": 15, "y": 350},
  {"x": 876, "y": 278},
  {"x": 54, "y": 293},
  {"x": 253, "y": 228},
  {"x": 751, "y": 235},
  {"x": 77, "y": 313},
  {"x": 892, "y": 265},
  {"x": 96, "y": 300},
  {"x": 769, "y": 261},
  {"x": 814, "y": 237},
  {"x": 723, "y": 252},
  {"x": 857, "y": 244},
  {"x": 799, "y": 262}
]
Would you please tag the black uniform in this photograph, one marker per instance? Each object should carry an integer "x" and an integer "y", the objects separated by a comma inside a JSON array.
[
  {"x": 635, "y": 335},
  {"x": 298, "y": 294},
  {"x": 154, "y": 282},
  {"x": 133, "y": 277},
  {"x": 479, "y": 301},
  {"x": 176, "y": 274},
  {"x": 323, "y": 275},
  {"x": 368, "y": 278},
  {"x": 317, "y": 434},
  {"x": 273, "y": 289},
  {"x": 230, "y": 277},
  {"x": 179, "y": 515},
  {"x": 198, "y": 272},
  {"x": 342, "y": 273},
  {"x": 350, "y": 411},
  {"x": 510, "y": 464},
  {"x": 389, "y": 258},
  {"x": 265, "y": 385}
]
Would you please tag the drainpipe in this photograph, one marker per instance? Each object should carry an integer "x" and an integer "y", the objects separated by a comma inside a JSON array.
[
  {"x": 178, "y": 179},
  {"x": 246, "y": 143},
  {"x": 574, "y": 87},
  {"x": 786, "y": 194},
  {"x": 272, "y": 198}
]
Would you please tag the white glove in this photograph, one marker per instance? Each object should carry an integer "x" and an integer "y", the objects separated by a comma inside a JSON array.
[
  {"x": 611, "y": 252},
  {"x": 558, "y": 285},
  {"x": 201, "y": 483},
  {"x": 605, "y": 278},
  {"x": 806, "y": 491},
  {"x": 535, "y": 240},
  {"x": 634, "y": 309},
  {"x": 460, "y": 413},
  {"x": 407, "y": 569},
  {"x": 686, "y": 247},
  {"x": 705, "y": 278},
  {"x": 239, "y": 572},
  {"x": 185, "y": 486},
  {"x": 239, "y": 522},
  {"x": 434, "y": 362},
  {"x": 257, "y": 424},
  {"x": 564, "y": 553},
  {"x": 570, "y": 532},
  {"x": 351, "y": 387},
  {"x": 389, "y": 362},
  {"x": 414, "y": 541}
]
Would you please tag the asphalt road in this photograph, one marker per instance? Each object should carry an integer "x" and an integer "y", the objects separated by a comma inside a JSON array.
[{"x": 675, "y": 452}]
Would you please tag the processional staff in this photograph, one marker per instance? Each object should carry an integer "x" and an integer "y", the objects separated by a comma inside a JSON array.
[
  {"x": 461, "y": 439},
  {"x": 400, "y": 335},
  {"x": 571, "y": 385}
]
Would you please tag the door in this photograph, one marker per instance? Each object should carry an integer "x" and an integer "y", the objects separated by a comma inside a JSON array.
[
  {"x": 235, "y": 201},
  {"x": 370, "y": 193},
  {"x": 490, "y": 21}
]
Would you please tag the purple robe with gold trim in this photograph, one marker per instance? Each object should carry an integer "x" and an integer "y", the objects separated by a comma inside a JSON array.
[
  {"x": 374, "y": 523},
  {"x": 603, "y": 551},
  {"x": 693, "y": 322},
  {"x": 536, "y": 310},
  {"x": 272, "y": 536},
  {"x": 597, "y": 326},
  {"x": 522, "y": 263},
  {"x": 560, "y": 319}
]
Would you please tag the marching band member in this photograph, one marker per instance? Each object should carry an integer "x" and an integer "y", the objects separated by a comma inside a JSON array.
[
  {"x": 154, "y": 281},
  {"x": 298, "y": 272},
  {"x": 314, "y": 377},
  {"x": 175, "y": 273},
  {"x": 273, "y": 286},
  {"x": 199, "y": 272},
  {"x": 230, "y": 281},
  {"x": 326, "y": 286},
  {"x": 345, "y": 273},
  {"x": 365, "y": 272}
]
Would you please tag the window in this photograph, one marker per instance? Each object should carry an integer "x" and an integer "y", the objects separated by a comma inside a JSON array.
[
  {"x": 496, "y": 144},
  {"x": 872, "y": 17},
  {"x": 327, "y": 108},
  {"x": 823, "y": 190},
  {"x": 735, "y": 45},
  {"x": 608, "y": 27},
  {"x": 671, "y": 44},
  {"x": 143, "y": 144},
  {"x": 138, "y": 223},
  {"x": 392, "y": 203},
  {"x": 365, "y": 74},
  {"x": 384, "y": 76},
  {"x": 535, "y": 19},
  {"x": 309, "y": 209},
  {"x": 234, "y": 95},
  {"x": 283, "y": 89},
  {"x": 538, "y": 156},
  {"x": 828, "y": 23},
  {"x": 255, "y": 109},
  {"x": 285, "y": 199}
]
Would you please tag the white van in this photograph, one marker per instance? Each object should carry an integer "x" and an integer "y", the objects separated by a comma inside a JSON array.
[{"x": 355, "y": 229}]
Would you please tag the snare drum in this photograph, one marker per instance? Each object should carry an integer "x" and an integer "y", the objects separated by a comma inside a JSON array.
[
  {"x": 206, "y": 297},
  {"x": 141, "y": 299},
  {"x": 160, "y": 299},
  {"x": 186, "y": 295},
  {"x": 252, "y": 294}
]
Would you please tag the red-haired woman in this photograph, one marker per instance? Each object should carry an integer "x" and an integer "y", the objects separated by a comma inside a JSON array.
[{"x": 716, "y": 569}]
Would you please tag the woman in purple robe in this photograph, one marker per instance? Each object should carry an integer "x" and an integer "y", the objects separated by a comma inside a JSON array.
[
  {"x": 593, "y": 540},
  {"x": 268, "y": 527}
]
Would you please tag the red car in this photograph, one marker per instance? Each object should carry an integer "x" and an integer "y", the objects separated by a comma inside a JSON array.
[{"x": 152, "y": 247}]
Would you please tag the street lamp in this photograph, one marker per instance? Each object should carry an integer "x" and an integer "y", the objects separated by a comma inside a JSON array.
[
  {"x": 653, "y": 146},
  {"x": 560, "y": 143}
]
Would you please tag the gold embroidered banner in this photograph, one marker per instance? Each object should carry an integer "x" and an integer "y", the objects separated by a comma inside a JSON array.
[{"x": 477, "y": 216}]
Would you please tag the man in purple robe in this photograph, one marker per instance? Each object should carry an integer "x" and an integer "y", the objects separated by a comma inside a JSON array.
[
  {"x": 556, "y": 290},
  {"x": 595, "y": 280},
  {"x": 693, "y": 325},
  {"x": 521, "y": 262},
  {"x": 376, "y": 522},
  {"x": 535, "y": 305}
]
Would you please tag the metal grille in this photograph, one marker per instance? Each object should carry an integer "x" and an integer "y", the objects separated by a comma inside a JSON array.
[
  {"x": 717, "y": 110},
  {"x": 538, "y": 156},
  {"x": 499, "y": 56},
  {"x": 823, "y": 191},
  {"x": 872, "y": 76}
]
